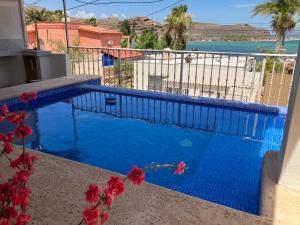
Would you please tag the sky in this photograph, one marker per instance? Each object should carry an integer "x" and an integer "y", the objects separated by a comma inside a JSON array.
[{"x": 217, "y": 11}]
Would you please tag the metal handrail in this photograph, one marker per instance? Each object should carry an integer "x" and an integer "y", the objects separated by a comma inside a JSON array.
[
  {"x": 188, "y": 51},
  {"x": 247, "y": 77}
]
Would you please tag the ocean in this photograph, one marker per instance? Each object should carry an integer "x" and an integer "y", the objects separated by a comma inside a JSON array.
[{"x": 240, "y": 46}]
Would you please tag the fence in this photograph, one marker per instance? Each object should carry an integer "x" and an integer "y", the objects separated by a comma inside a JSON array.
[{"x": 256, "y": 78}]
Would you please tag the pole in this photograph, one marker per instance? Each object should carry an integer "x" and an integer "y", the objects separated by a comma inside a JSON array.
[{"x": 66, "y": 25}]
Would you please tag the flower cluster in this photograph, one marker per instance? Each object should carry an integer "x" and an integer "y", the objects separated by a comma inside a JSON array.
[
  {"x": 101, "y": 200},
  {"x": 14, "y": 192}
]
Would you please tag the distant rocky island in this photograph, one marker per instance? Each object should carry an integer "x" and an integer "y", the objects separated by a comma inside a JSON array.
[{"x": 199, "y": 31}]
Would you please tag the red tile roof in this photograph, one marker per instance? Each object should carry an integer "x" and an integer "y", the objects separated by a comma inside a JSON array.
[
  {"x": 124, "y": 53},
  {"x": 71, "y": 26},
  {"x": 98, "y": 30},
  {"x": 52, "y": 25}
]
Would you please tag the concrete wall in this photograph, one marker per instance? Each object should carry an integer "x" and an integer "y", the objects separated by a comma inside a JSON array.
[
  {"x": 50, "y": 37},
  {"x": 11, "y": 28},
  {"x": 12, "y": 42},
  {"x": 49, "y": 65},
  {"x": 52, "y": 33},
  {"x": 89, "y": 39},
  {"x": 289, "y": 167}
]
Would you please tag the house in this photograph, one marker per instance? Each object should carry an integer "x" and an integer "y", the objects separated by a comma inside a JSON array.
[{"x": 52, "y": 36}]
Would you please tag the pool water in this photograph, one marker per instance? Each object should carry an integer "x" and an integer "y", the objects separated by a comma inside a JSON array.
[{"x": 223, "y": 148}]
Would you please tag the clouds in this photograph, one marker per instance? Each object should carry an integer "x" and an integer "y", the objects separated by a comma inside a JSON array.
[
  {"x": 120, "y": 16},
  {"x": 83, "y": 14},
  {"x": 103, "y": 16},
  {"x": 245, "y": 5},
  {"x": 86, "y": 15}
]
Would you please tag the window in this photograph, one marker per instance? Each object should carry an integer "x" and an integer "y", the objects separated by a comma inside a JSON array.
[{"x": 109, "y": 42}]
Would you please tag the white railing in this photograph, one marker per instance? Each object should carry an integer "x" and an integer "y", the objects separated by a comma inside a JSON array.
[{"x": 258, "y": 78}]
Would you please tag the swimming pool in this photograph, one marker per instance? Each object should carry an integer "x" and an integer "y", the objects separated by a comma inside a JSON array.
[{"x": 222, "y": 146}]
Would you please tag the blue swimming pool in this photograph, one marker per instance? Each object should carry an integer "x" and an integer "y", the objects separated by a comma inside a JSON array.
[{"x": 223, "y": 147}]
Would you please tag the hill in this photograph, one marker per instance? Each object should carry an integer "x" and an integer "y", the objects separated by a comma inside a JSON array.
[
  {"x": 199, "y": 31},
  {"x": 236, "y": 32}
]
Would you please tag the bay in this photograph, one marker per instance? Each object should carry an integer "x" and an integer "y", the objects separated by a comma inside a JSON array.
[{"x": 240, "y": 46}]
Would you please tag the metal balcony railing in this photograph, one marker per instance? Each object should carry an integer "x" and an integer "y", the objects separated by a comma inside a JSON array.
[{"x": 256, "y": 78}]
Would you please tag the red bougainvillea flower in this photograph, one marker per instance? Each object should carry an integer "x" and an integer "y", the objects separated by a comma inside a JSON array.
[
  {"x": 4, "y": 109},
  {"x": 3, "y": 137},
  {"x": 23, "y": 131},
  {"x": 136, "y": 176},
  {"x": 91, "y": 215},
  {"x": 108, "y": 199},
  {"x": 2, "y": 118},
  {"x": 26, "y": 159},
  {"x": 22, "y": 176},
  {"x": 25, "y": 97},
  {"x": 180, "y": 168},
  {"x": 115, "y": 185},
  {"x": 4, "y": 221},
  {"x": 6, "y": 191},
  {"x": 7, "y": 147},
  {"x": 23, "y": 219},
  {"x": 10, "y": 212},
  {"x": 34, "y": 95},
  {"x": 104, "y": 217},
  {"x": 92, "y": 194},
  {"x": 16, "y": 117},
  {"x": 21, "y": 197}
]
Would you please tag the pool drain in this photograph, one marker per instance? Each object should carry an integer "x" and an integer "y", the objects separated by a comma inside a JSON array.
[{"x": 111, "y": 100}]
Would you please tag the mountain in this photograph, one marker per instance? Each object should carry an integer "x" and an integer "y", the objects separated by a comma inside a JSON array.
[
  {"x": 236, "y": 32},
  {"x": 199, "y": 31}
]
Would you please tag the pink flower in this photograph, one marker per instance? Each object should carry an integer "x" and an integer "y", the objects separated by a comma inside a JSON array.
[
  {"x": 91, "y": 215},
  {"x": 4, "y": 109},
  {"x": 2, "y": 118},
  {"x": 115, "y": 185},
  {"x": 180, "y": 168},
  {"x": 104, "y": 217},
  {"x": 23, "y": 219},
  {"x": 22, "y": 176},
  {"x": 136, "y": 176},
  {"x": 34, "y": 95},
  {"x": 16, "y": 117},
  {"x": 7, "y": 147},
  {"x": 26, "y": 159},
  {"x": 23, "y": 131},
  {"x": 10, "y": 212},
  {"x": 3, "y": 137},
  {"x": 108, "y": 199},
  {"x": 25, "y": 97},
  {"x": 4, "y": 221},
  {"x": 21, "y": 197},
  {"x": 92, "y": 194}
]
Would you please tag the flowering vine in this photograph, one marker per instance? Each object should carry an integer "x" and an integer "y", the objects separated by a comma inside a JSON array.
[
  {"x": 14, "y": 191},
  {"x": 101, "y": 200}
]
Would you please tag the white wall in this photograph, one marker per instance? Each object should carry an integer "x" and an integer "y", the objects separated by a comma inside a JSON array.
[
  {"x": 290, "y": 153},
  {"x": 12, "y": 42}
]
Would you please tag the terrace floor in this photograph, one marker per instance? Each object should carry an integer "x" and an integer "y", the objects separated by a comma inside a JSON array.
[
  {"x": 58, "y": 198},
  {"x": 59, "y": 184}
]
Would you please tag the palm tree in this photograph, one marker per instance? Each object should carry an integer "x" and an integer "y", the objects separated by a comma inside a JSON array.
[
  {"x": 127, "y": 30},
  {"x": 177, "y": 23},
  {"x": 42, "y": 14},
  {"x": 283, "y": 14},
  {"x": 36, "y": 14}
]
